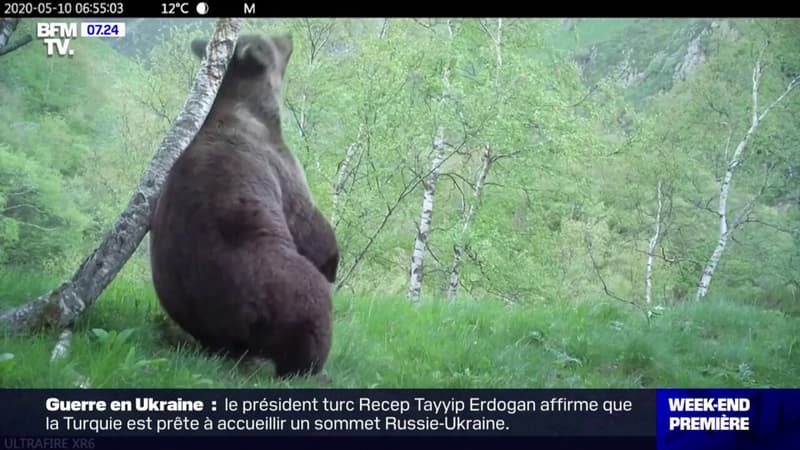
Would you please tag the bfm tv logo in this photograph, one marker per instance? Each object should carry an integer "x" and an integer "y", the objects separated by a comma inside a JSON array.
[{"x": 57, "y": 36}]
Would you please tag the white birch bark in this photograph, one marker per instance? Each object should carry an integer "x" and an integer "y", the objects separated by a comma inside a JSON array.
[
  {"x": 342, "y": 175},
  {"x": 7, "y": 27},
  {"x": 62, "y": 306},
  {"x": 429, "y": 185},
  {"x": 62, "y": 347},
  {"x": 429, "y": 191},
  {"x": 458, "y": 249},
  {"x": 724, "y": 191},
  {"x": 651, "y": 249},
  {"x": 498, "y": 41},
  {"x": 486, "y": 159},
  {"x": 384, "y": 28}
]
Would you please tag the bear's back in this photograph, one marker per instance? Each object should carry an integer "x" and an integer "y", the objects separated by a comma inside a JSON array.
[{"x": 226, "y": 266}]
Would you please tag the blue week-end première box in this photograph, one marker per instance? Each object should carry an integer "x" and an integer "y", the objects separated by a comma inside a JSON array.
[{"x": 716, "y": 419}]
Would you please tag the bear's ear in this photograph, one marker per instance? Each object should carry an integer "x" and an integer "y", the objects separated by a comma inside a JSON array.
[
  {"x": 284, "y": 45},
  {"x": 199, "y": 47},
  {"x": 283, "y": 51}
]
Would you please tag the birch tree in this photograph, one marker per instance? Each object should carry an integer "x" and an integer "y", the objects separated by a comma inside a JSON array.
[
  {"x": 429, "y": 188},
  {"x": 726, "y": 224},
  {"x": 304, "y": 96},
  {"x": 383, "y": 88},
  {"x": 651, "y": 247},
  {"x": 496, "y": 40},
  {"x": 64, "y": 304},
  {"x": 469, "y": 213},
  {"x": 426, "y": 216},
  {"x": 7, "y": 27},
  {"x": 342, "y": 176},
  {"x": 522, "y": 109},
  {"x": 349, "y": 166}
]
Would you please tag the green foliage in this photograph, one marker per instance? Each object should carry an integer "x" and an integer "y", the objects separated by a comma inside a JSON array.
[
  {"x": 35, "y": 204},
  {"x": 69, "y": 152},
  {"x": 386, "y": 342},
  {"x": 583, "y": 119}
]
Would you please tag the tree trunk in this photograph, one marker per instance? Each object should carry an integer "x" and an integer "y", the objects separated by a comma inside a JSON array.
[
  {"x": 429, "y": 185},
  {"x": 61, "y": 307},
  {"x": 498, "y": 53},
  {"x": 384, "y": 28},
  {"x": 418, "y": 256},
  {"x": 458, "y": 250},
  {"x": 711, "y": 266},
  {"x": 342, "y": 175},
  {"x": 7, "y": 27},
  {"x": 651, "y": 249},
  {"x": 486, "y": 159},
  {"x": 724, "y": 191}
]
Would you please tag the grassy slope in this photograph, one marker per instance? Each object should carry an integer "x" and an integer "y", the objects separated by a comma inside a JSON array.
[{"x": 388, "y": 343}]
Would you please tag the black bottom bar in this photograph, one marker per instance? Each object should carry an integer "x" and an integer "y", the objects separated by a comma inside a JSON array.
[{"x": 318, "y": 442}]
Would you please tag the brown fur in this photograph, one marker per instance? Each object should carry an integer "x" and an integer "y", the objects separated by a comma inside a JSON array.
[{"x": 241, "y": 257}]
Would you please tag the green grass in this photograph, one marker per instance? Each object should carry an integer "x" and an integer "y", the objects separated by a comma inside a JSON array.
[{"x": 387, "y": 342}]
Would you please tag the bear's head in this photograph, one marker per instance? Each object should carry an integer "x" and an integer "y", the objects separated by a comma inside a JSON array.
[{"x": 256, "y": 69}]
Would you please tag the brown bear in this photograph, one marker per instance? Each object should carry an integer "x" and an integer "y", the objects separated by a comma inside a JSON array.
[{"x": 241, "y": 257}]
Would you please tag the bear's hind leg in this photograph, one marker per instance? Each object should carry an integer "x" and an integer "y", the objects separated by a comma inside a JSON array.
[
  {"x": 292, "y": 324},
  {"x": 300, "y": 348}
]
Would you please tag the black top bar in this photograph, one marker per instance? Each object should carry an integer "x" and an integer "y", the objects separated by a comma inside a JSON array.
[
  {"x": 109, "y": 9},
  {"x": 73, "y": 9}
]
